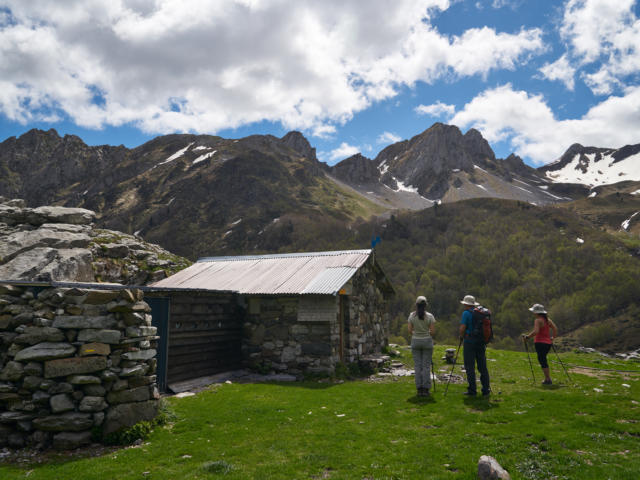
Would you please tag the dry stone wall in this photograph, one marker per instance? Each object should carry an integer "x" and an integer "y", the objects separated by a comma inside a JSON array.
[{"x": 71, "y": 360}]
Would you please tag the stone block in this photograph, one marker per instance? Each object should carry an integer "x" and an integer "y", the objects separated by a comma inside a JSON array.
[
  {"x": 141, "y": 331},
  {"x": 75, "y": 365},
  {"x": 139, "y": 394},
  {"x": 92, "y": 390},
  {"x": 92, "y": 404},
  {"x": 33, "y": 335},
  {"x": 101, "y": 297},
  {"x": 99, "y": 336},
  {"x": 66, "y": 422},
  {"x": 135, "y": 371},
  {"x": 12, "y": 372},
  {"x": 316, "y": 349},
  {"x": 139, "y": 355},
  {"x": 61, "y": 403},
  {"x": 127, "y": 414},
  {"x": 94, "y": 349},
  {"x": 140, "y": 381},
  {"x": 84, "y": 380},
  {"x": 12, "y": 417},
  {"x": 33, "y": 368},
  {"x": 119, "y": 385},
  {"x": 80, "y": 322},
  {"x": 71, "y": 440},
  {"x": 32, "y": 383},
  {"x": 45, "y": 351},
  {"x": 132, "y": 319},
  {"x": 60, "y": 387},
  {"x": 40, "y": 398},
  {"x": 98, "y": 418}
]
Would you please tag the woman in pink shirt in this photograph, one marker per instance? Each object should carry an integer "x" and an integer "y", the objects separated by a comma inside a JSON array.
[{"x": 542, "y": 328}]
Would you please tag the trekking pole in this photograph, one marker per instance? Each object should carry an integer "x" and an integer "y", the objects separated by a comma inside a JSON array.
[
  {"x": 526, "y": 347},
  {"x": 433, "y": 374},
  {"x": 452, "y": 367},
  {"x": 563, "y": 367}
]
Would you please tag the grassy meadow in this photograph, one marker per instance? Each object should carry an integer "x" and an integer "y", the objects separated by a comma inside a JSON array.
[{"x": 586, "y": 428}]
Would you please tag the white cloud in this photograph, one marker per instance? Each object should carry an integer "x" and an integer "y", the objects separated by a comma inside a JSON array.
[
  {"x": 388, "y": 137},
  {"x": 607, "y": 34},
  {"x": 343, "y": 151},
  {"x": 201, "y": 66},
  {"x": 527, "y": 123},
  {"x": 560, "y": 70},
  {"x": 436, "y": 109}
]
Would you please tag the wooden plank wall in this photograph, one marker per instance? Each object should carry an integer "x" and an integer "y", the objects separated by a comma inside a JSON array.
[{"x": 205, "y": 335}]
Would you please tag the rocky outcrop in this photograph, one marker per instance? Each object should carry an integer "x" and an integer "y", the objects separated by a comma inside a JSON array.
[
  {"x": 296, "y": 141},
  {"x": 60, "y": 244},
  {"x": 357, "y": 169},
  {"x": 73, "y": 361}
]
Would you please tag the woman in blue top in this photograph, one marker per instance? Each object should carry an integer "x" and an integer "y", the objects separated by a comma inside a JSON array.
[{"x": 422, "y": 328}]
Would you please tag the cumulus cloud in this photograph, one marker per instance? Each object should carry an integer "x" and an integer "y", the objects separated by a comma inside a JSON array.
[
  {"x": 529, "y": 125},
  {"x": 605, "y": 32},
  {"x": 436, "y": 109},
  {"x": 202, "y": 66},
  {"x": 388, "y": 137},
  {"x": 561, "y": 70},
  {"x": 343, "y": 151}
]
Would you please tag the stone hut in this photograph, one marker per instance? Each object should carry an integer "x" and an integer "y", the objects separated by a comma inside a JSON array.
[{"x": 296, "y": 313}]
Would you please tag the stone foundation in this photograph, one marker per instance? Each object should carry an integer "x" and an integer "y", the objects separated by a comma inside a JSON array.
[{"x": 72, "y": 360}]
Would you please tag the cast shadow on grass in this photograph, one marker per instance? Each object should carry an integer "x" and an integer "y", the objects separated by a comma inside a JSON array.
[
  {"x": 422, "y": 400},
  {"x": 480, "y": 403}
]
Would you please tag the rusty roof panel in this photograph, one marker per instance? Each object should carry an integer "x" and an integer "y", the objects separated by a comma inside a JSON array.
[{"x": 298, "y": 273}]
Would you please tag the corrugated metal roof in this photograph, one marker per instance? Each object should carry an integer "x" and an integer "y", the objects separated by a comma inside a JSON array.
[{"x": 295, "y": 273}]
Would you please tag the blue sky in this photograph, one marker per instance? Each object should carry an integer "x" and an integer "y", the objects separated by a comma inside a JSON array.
[{"x": 354, "y": 76}]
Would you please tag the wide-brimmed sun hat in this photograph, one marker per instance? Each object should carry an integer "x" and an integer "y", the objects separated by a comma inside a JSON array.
[
  {"x": 469, "y": 300},
  {"x": 421, "y": 300},
  {"x": 538, "y": 308}
]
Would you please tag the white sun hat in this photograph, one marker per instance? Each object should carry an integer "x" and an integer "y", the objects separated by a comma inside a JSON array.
[
  {"x": 421, "y": 299},
  {"x": 538, "y": 308},
  {"x": 469, "y": 300}
]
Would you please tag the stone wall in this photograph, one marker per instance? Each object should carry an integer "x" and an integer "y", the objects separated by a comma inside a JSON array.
[
  {"x": 72, "y": 360},
  {"x": 368, "y": 323},
  {"x": 275, "y": 338}
]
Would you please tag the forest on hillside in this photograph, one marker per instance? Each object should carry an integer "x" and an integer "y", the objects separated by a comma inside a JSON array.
[{"x": 509, "y": 255}]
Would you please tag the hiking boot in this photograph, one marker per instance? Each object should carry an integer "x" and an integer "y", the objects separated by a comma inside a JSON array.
[
  {"x": 469, "y": 394},
  {"x": 486, "y": 394},
  {"x": 547, "y": 382}
]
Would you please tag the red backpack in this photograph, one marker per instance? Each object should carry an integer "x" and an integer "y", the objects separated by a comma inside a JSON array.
[{"x": 481, "y": 328}]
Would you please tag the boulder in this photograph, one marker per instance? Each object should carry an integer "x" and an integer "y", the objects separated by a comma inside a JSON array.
[
  {"x": 80, "y": 322},
  {"x": 74, "y": 216},
  {"x": 127, "y": 414},
  {"x": 71, "y": 440},
  {"x": 490, "y": 469},
  {"x": 45, "y": 351},
  {"x": 67, "y": 422},
  {"x": 74, "y": 365},
  {"x": 99, "y": 336}
]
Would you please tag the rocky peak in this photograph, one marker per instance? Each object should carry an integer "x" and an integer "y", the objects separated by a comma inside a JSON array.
[
  {"x": 296, "y": 141},
  {"x": 356, "y": 169}
]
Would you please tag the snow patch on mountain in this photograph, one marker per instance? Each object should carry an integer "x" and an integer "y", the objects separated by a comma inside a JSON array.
[
  {"x": 176, "y": 155},
  {"x": 603, "y": 172},
  {"x": 627, "y": 222},
  {"x": 202, "y": 158}
]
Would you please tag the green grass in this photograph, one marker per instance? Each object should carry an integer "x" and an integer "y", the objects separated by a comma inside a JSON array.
[{"x": 367, "y": 430}]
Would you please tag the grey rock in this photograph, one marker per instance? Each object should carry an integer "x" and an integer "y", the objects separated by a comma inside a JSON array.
[
  {"x": 40, "y": 398},
  {"x": 136, "y": 371},
  {"x": 82, "y": 322},
  {"x": 33, "y": 368},
  {"x": 61, "y": 403},
  {"x": 139, "y": 394},
  {"x": 31, "y": 382},
  {"x": 490, "y": 469},
  {"x": 60, "y": 387},
  {"x": 140, "y": 381},
  {"x": 316, "y": 349},
  {"x": 115, "y": 250},
  {"x": 45, "y": 351},
  {"x": 92, "y": 404},
  {"x": 101, "y": 297},
  {"x": 119, "y": 385},
  {"x": 84, "y": 380},
  {"x": 128, "y": 414},
  {"x": 71, "y": 440},
  {"x": 99, "y": 336},
  {"x": 75, "y": 365},
  {"x": 74, "y": 216},
  {"x": 141, "y": 331},
  {"x": 70, "y": 421},
  {"x": 12, "y": 417},
  {"x": 98, "y": 418},
  {"x": 33, "y": 335},
  {"x": 139, "y": 355},
  {"x": 91, "y": 390},
  {"x": 12, "y": 372}
]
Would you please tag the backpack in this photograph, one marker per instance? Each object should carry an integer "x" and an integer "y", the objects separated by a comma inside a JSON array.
[{"x": 481, "y": 328}]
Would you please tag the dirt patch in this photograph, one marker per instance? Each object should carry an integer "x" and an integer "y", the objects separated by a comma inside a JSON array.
[{"x": 603, "y": 374}]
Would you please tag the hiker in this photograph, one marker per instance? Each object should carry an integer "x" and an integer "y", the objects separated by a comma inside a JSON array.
[
  {"x": 474, "y": 350},
  {"x": 421, "y": 329},
  {"x": 543, "y": 340}
]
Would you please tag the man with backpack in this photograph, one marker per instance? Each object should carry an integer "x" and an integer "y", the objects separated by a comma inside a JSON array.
[{"x": 475, "y": 330}]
